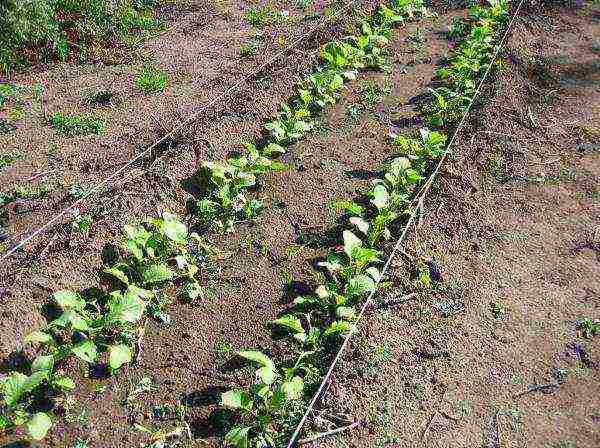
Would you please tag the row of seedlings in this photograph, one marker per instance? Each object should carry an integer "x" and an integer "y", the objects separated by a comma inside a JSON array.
[{"x": 315, "y": 322}]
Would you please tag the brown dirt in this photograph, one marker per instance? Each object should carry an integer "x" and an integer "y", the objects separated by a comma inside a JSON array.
[
  {"x": 514, "y": 223},
  {"x": 249, "y": 274}
]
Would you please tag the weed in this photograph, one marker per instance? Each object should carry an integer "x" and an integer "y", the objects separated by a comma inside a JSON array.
[
  {"x": 151, "y": 80},
  {"x": 589, "y": 327},
  {"x": 81, "y": 223},
  {"x": 32, "y": 191},
  {"x": 261, "y": 17},
  {"x": 10, "y": 157},
  {"x": 249, "y": 49},
  {"x": 101, "y": 97},
  {"x": 74, "y": 125}
]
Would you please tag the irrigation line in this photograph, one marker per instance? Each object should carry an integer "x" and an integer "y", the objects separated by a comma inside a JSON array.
[
  {"x": 169, "y": 135},
  {"x": 417, "y": 201}
]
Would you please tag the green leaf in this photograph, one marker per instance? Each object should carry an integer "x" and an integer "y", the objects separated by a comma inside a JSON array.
[
  {"x": 257, "y": 357},
  {"x": 39, "y": 336},
  {"x": 86, "y": 351},
  {"x": 34, "y": 380},
  {"x": 292, "y": 323},
  {"x": 238, "y": 437},
  {"x": 293, "y": 389},
  {"x": 38, "y": 426},
  {"x": 43, "y": 364},
  {"x": 13, "y": 388},
  {"x": 338, "y": 327},
  {"x": 127, "y": 307},
  {"x": 360, "y": 285},
  {"x": 345, "y": 312},
  {"x": 118, "y": 274},
  {"x": 351, "y": 242},
  {"x": 174, "y": 229},
  {"x": 5, "y": 423},
  {"x": 267, "y": 374},
  {"x": 380, "y": 197},
  {"x": 236, "y": 399},
  {"x": 157, "y": 273},
  {"x": 119, "y": 355},
  {"x": 68, "y": 300},
  {"x": 64, "y": 383}
]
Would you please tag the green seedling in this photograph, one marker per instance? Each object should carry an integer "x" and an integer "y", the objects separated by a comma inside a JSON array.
[
  {"x": 10, "y": 157},
  {"x": 18, "y": 391},
  {"x": 589, "y": 327},
  {"x": 151, "y": 80},
  {"x": 74, "y": 125}
]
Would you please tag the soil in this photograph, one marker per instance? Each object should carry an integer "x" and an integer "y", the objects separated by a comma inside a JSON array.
[
  {"x": 492, "y": 354},
  {"x": 248, "y": 281}
]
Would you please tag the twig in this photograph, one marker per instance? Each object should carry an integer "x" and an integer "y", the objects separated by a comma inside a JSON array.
[
  {"x": 43, "y": 173},
  {"x": 138, "y": 344},
  {"x": 426, "y": 430},
  {"x": 52, "y": 240},
  {"x": 399, "y": 300},
  {"x": 328, "y": 433},
  {"x": 537, "y": 388}
]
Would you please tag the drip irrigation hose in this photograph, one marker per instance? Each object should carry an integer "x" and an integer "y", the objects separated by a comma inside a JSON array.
[
  {"x": 117, "y": 174},
  {"x": 417, "y": 201}
]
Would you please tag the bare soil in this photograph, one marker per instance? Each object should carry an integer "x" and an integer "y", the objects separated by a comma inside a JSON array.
[{"x": 492, "y": 354}]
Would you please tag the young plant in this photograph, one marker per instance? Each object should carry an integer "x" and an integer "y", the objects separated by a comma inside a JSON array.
[
  {"x": 74, "y": 125},
  {"x": 151, "y": 80},
  {"x": 21, "y": 394}
]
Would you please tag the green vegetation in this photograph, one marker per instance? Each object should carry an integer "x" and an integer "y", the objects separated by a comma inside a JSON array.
[
  {"x": 10, "y": 157},
  {"x": 74, "y": 125},
  {"x": 151, "y": 80},
  {"x": 47, "y": 30},
  {"x": 95, "y": 322}
]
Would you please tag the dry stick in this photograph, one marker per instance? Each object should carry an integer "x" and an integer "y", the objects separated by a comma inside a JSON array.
[
  {"x": 328, "y": 433},
  {"x": 419, "y": 197},
  {"x": 118, "y": 174},
  {"x": 426, "y": 430},
  {"x": 537, "y": 388}
]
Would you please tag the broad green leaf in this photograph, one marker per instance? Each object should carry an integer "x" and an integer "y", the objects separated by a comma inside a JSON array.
[
  {"x": 360, "y": 224},
  {"x": 236, "y": 399},
  {"x": 238, "y": 437},
  {"x": 43, "y": 363},
  {"x": 257, "y": 357},
  {"x": 157, "y": 273},
  {"x": 345, "y": 312},
  {"x": 174, "y": 229},
  {"x": 68, "y": 300},
  {"x": 360, "y": 285},
  {"x": 351, "y": 242},
  {"x": 64, "y": 383},
  {"x": 34, "y": 380},
  {"x": 127, "y": 307},
  {"x": 119, "y": 355},
  {"x": 13, "y": 388},
  {"x": 38, "y": 426},
  {"x": 76, "y": 321},
  {"x": 292, "y": 323},
  {"x": 338, "y": 327},
  {"x": 118, "y": 274},
  {"x": 86, "y": 351},
  {"x": 293, "y": 389},
  {"x": 374, "y": 273},
  {"x": 38, "y": 336},
  {"x": 380, "y": 197},
  {"x": 267, "y": 374}
]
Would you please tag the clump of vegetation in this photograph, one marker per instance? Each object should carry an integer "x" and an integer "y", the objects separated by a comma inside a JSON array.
[
  {"x": 155, "y": 254},
  {"x": 261, "y": 17},
  {"x": 73, "y": 125},
  {"x": 48, "y": 30},
  {"x": 151, "y": 80},
  {"x": 10, "y": 157},
  {"x": 589, "y": 327},
  {"x": 249, "y": 48}
]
